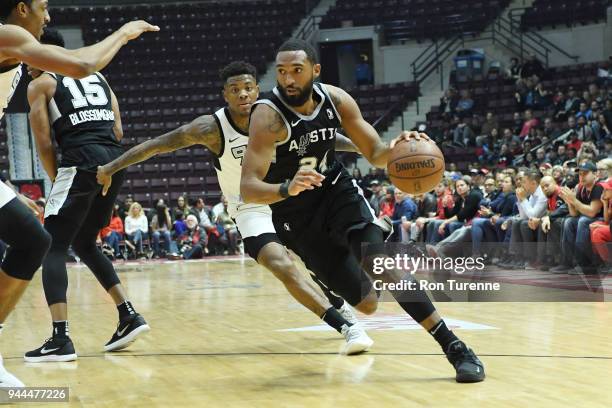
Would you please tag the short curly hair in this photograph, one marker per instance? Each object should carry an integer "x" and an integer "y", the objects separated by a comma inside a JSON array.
[{"x": 237, "y": 68}]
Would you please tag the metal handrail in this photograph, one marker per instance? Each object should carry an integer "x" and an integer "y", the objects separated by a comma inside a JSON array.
[
  {"x": 388, "y": 112},
  {"x": 311, "y": 25},
  {"x": 515, "y": 23}
]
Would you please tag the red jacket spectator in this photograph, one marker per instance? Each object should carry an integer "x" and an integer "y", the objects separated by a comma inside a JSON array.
[
  {"x": 445, "y": 204},
  {"x": 115, "y": 225}
]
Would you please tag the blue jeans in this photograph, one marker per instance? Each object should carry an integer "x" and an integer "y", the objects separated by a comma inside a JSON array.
[
  {"x": 433, "y": 226},
  {"x": 483, "y": 231},
  {"x": 113, "y": 240},
  {"x": 167, "y": 239},
  {"x": 137, "y": 239},
  {"x": 577, "y": 240}
]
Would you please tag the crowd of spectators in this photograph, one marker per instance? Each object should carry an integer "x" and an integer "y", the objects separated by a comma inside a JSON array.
[
  {"x": 555, "y": 218},
  {"x": 189, "y": 230},
  {"x": 548, "y": 125}
]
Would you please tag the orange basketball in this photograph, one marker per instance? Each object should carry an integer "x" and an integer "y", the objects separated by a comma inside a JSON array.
[{"x": 416, "y": 166}]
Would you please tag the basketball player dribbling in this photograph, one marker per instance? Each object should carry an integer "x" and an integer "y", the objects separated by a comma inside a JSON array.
[
  {"x": 317, "y": 208},
  {"x": 28, "y": 242},
  {"x": 225, "y": 135}
]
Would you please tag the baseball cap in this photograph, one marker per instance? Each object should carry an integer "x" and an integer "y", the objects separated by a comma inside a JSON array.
[
  {"x": 374, "y": 182},
  {"x": 587, "y": 166}
]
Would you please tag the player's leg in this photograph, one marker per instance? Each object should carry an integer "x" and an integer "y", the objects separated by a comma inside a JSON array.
[
  {"x": 420, "y": 308},
  {"x": 66, "y": 208},
  {"x": 270, "y": 253},
  {"x": 131, "y": 324},
  {"x": 28, "y": 243}
]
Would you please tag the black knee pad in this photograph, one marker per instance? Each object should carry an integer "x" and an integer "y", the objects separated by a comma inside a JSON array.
[{"x": 26, "y": 252}]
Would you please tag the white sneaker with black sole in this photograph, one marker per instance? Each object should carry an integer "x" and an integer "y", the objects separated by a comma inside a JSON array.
[
  {"x": 127, "y": 332},
  {"x": 348, "y": 313},
  {"x": 8, "y": 380},
  {"x": 357, "y": 340},
  {"x": 54, "y": 349}
]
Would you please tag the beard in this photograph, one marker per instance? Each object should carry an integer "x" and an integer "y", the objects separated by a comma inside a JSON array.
[{"x": 298, "y": 99}]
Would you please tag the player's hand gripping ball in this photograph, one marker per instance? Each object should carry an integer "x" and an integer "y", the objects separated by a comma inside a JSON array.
[{"x": 416, "y": 164}]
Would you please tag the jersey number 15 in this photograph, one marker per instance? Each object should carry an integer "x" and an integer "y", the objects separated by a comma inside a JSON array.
[{"x": 94, "y": 93}]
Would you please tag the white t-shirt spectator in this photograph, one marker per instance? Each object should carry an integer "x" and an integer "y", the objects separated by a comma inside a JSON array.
[
  {"x": 533, "y": 207},
  {"x": 134, "y": 224}
]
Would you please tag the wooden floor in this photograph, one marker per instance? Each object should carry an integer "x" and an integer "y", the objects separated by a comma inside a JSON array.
[{"x": 225, "y": 333}]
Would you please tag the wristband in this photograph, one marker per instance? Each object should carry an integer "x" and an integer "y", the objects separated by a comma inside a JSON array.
[{"x": 283, "y": 190}]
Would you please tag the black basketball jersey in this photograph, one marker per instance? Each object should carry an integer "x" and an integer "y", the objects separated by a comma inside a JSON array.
[
  {"x": 81, "y": 112},
  {"x": 310, "y": 143}
]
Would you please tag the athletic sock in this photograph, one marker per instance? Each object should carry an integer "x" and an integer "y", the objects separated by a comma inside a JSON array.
[
  {"x": 336, "y": 302},
  {"x": 60, "y": 329},
  {"x": 443, "y": 335},
  {"x": 125, "y": 310},
  {"x": 335, "y": 319}
]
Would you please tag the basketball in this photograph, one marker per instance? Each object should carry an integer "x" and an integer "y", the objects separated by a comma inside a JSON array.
[{"x": 416, "y": 166}]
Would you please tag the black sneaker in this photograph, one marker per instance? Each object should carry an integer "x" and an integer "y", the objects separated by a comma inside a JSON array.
[
  {"x": 468, "y": 367},
  {"x": 54, "y": 349},
  {"x": 127, "y": 331}
]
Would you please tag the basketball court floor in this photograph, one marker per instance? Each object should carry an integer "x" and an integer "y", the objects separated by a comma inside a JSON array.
[{"x": 226, "y": 333}]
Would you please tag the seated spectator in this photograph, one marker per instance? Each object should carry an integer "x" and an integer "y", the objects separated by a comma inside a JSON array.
[
  {"x": 531, "y": 203},
  {"x": 604, "y": 169},
  {"x": 376, "y": 197},
  {"x": 600, "y": 128},
  {"x": 505, "y": 157},
  {"x": 125, "y": 208},
  {"x": 358, "y": 178},
  {"x": 448, "y": 102},
  {"x": 463, "y": 135},
  {"x": 489, "y": 124},
  {"x": 585, "y": 207},
  {"x": 388, "y": 204},
  {"x": 190, "y": 244},
  {"x": 550, "y": 225},
  {"x": 204, "y": 214},
  {"x": 517, "y": 123},
  {"x": 161, "y": 225},
  {"x": 514, "y": 71},
  {"x": 487, "y": 226},
  {"x": 181, "y": 205},
  {"x": 532, "y": 69},
  {"x": 218, "y": 208},
  {"x": 584, "y": 131},
  {"x": 601, "y": 231},
  {"x": 584, "y": 111},
  {"x": 549, "y": 128},
  {"x": 404, "y": 212},
  {"x": 530, "y": 122},
  {"x": 372, "y": 175},
  {"x": 427, "y": 206},
  {"x": 112, "y": 234},
  {"x": 179, "y": 227},
  {"x": 228, "y": 230},
  {"x": 570, "y": 106},
  {"x": 465, "y": 104},
  {"x": 137, "y": 227},
  {"x": 466, "y": 207},
  {"x": 573, "y": 143},
  {"x": 587, "y": 152}
]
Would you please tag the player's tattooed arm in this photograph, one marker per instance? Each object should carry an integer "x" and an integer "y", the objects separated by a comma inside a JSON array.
[
  {"x": 203, "y": 130},
  {"x": 40, "y": 92}
]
